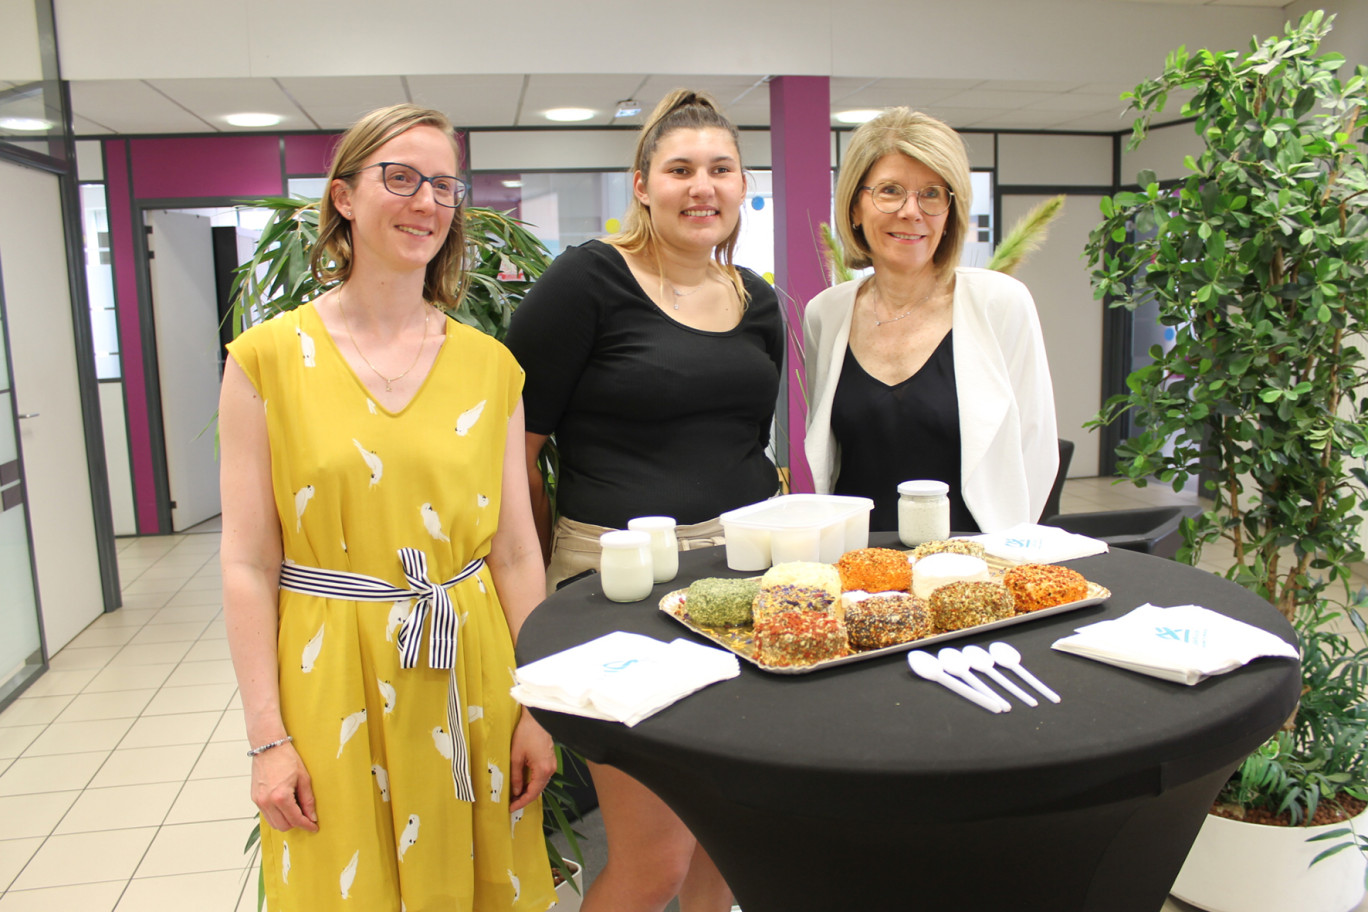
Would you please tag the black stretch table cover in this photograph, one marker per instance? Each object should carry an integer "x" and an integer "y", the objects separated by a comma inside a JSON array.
[{"x": 865, "y": 787}]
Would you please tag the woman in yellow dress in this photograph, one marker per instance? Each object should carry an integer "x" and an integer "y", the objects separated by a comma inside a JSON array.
[{"x": 379, "y": 557}]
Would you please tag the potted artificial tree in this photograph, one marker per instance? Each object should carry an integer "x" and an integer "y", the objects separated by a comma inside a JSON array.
[
  {"x": 1258, "y": 262},
  {"x": 504, "y": 258}
]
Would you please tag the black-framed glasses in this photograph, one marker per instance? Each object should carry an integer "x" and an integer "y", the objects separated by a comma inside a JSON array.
[
  {"x": 405, "y": 180},
  {"x": 890, "y": 196}
]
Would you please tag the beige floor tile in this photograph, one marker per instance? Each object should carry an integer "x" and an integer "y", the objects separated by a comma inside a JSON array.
[
  {"x": 204, "y": 582},
  {"x": 208, "y": 650},
  {"x": 14, "y": 740},
  {"x": 220, "y": 759},
  {"x": 103, "y": 636},
  {"x": 248, "y": 901},
  {"x": 202, "y": 800},
  {"x": 33, "y": 710},
  {"x": 199, "y": 597},
  {"x": 119, "y": 704},
  {"x": 154, "y": 654},
  {"x": 33, "y": 815},
  {"x": 141, "y": 586},
  {"x": 217, "y": 671},
  {"x": 168, "y": 633},
  {"x": 191, "y": 848},
  {"x": 131, "y": 677},
  {"x": 142, "y": 765},
  {"x": 60, "y": 773},
  {"x": 172, "y": 567},
  {"x": 144, "y": 600},
  {"x": 231, "y": 727},
  {"x": 236, "y": 702},
  {"x": 96, "y": 897},
  {"x": 216, "y": 630},
  {"x": 216, "y": 891},
  {"x": 175, "y": 728},
  {"x": 173, "y": 614},
  {"x": 79, "y": 737},
  {"x": 14, "y": 854},
  {"x": 125, "y": 617},
  {"x": 197, "y": 698},
  {"x": 104, "y": 856},
  {"x": 57, "y": 683},
  {"x": 71, "y": 658},
  {"x": 120, "y": 807}
]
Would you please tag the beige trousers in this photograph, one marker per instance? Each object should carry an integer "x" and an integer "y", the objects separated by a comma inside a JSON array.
[{"x": 575, "y": 546}]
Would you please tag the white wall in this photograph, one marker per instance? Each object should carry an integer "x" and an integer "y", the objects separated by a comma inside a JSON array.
[
  {"x": 1054, "y": 160},
  {"x": 118, "y": 466}
]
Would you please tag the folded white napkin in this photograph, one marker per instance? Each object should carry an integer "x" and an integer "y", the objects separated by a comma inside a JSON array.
[
  {"x": 1032, "y": 543},
  {"x": 621, "y": 677},
  {"x": 1186, "y": 643}
]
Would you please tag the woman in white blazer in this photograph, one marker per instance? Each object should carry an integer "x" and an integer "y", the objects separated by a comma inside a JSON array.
[{"x": 924, "y": 369}]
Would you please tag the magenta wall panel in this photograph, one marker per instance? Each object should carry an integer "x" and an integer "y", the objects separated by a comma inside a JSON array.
[
  {"x": 196, "y": 167},
  {"x": 130, "y": 335},
  {"x": 800, "y": 140},
  {"x": 309, "y": 156}
]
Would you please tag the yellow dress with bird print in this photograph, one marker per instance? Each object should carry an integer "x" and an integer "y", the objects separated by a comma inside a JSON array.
[{"x": 353, "y": 484}]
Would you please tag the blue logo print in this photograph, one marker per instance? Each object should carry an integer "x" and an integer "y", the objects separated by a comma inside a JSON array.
[{"x": 619, "y": 665}]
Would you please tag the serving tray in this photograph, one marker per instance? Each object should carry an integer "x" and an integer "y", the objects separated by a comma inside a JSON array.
[{"x": 738, "y": 639}]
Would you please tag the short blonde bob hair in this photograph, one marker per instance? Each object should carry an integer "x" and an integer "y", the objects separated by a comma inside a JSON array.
[
  {"x": 682, "y": 109},
  {"x": 331, "y": 260},
  {"x": 919, "y": 137}
]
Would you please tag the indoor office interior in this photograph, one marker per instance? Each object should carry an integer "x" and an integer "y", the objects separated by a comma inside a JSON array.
[{"x": 122, "y": 215}]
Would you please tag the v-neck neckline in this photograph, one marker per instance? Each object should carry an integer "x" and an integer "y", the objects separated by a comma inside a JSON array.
[{"x": 317, "y": 318}]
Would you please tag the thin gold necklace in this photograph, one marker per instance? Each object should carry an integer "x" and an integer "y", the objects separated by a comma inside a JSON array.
[
  {"x": 389, "y": 381},
  {"x": 910, "y": 307}
]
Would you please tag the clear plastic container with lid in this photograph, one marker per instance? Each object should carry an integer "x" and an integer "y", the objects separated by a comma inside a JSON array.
[
  {"x": 923, "y": 512},
  {"x": 625, "y": 565}
]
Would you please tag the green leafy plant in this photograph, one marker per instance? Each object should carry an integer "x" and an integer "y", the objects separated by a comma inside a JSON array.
[
  {"x": 1257, "y": 261},
  {"x": 503, "y": 260}
]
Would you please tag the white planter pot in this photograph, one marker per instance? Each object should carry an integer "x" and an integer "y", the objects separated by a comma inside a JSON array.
[
  {"x": 1244, "y": 867},
  {"x": 567, "y": 897}
]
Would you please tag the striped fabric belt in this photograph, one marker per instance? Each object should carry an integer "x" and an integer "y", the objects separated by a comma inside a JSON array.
[{"x": 428, "y": 598}]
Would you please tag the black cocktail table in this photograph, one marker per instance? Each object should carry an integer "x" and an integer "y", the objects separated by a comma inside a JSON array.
[{"x": 863, "y": 787}]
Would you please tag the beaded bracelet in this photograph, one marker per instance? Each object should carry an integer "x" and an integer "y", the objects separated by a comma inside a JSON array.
[{"x": 265, "y": 747}]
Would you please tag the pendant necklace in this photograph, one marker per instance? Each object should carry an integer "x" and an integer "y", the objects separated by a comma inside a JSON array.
[
  {"x": 389, "y": 381},
  {"x": 681, "y": 294},
  {"x": 908, "y": 311}
]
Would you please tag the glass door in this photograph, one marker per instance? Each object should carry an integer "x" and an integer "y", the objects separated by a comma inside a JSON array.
[{"x": 21, "y": 645}]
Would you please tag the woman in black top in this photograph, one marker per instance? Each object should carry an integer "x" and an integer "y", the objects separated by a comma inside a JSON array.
[{"x": 656, "y": 364}]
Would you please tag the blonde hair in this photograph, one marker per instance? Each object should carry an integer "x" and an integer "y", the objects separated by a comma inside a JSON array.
[
  {"x": 682, "y": 109},
  {"x": 919, "y": 137},
  {"x": 331, "y": 259}
]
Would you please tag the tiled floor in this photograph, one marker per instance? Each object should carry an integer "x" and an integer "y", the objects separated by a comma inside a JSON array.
[{"x": 123, "y": 780}]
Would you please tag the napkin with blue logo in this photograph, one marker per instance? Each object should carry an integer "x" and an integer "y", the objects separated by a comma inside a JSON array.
[
  {"x": 1037, "y": 544},
  {"x": 1186, "y": 643},
  {"x": 622, "y": 677}
]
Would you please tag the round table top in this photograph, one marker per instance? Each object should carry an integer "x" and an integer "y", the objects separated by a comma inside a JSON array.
[{"x": 874, "y": 732}]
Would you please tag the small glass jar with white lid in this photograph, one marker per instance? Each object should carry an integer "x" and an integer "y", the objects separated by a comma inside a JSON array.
[
  {"x": 625, "y": 567},
  {"x": 664, "y": 544},
  {"x": 923, "y": 511}
]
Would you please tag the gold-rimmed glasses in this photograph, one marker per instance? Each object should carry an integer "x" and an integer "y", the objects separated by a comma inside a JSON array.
[{"x": 891, "y": 196}]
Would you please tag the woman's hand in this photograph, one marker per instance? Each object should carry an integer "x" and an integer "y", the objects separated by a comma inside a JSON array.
[
  {"x": 282, "y": 789},
  {"x": 533, "y": 762}
]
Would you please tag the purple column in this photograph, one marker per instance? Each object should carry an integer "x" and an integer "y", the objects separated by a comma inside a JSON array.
[{"x": 800, "y": 140}]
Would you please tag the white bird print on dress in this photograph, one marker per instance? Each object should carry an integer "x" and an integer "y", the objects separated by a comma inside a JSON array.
[
  {"x": 479, "y": 582},
  {"x": 432, "y": 522},
  {"x": 377, "y": 468},
  {"x": 386, "y": 691},
  {"x": 515, "y": 817},
  {"x": 348, "y": 875},
  {"x": 382, "y": 780},
  {"x": 349, "y": 728},
  {"x": 467, "y": 419},
  {"x": 284, "y": 862},
  {"x": 409, "y": 836},
  {"x": 495, "y": 782},
  {"x": 481, "y": 500},
  {"x": 517, "y": 885},
  {"x": 371, "y": 405},
  {"x": 301, "y": 501},
  {"x": 442, "y": 740},
  {"x": 311, "y": 651},
  {"x": 306, "y": 345},
  {"x": 474, "y": 712},
  {"x": 396, "y": 617}
]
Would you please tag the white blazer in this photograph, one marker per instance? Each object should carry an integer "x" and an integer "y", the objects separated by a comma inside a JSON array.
[{"x": 1009, "y": 449}]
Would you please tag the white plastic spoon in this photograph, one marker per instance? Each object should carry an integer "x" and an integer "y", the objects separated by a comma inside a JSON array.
[
  {"x": 980, "y": 660},
  {"x": 1005, "y": 655},
  {"x": 927, "y": 666},
  {"x": 953, "y": 661}
]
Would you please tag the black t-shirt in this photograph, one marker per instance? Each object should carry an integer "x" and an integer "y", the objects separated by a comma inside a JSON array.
[
  {"x": 652, "y": 417},
  {"x": 891, "y": 434}
]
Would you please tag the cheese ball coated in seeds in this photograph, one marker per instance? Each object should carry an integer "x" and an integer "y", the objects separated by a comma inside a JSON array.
[
  {"x": 962, "y": 605},
  {"x": 798, "y": 638},
  {"x": 1037, "y": 586},
  {"x": 874, "y": 570},
  {"x": 885, "y": 619},
  {"x": 949, "y": 546},
  {"x": 721, "y": 602}
]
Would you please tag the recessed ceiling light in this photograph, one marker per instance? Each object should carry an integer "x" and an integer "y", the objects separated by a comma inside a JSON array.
[
  {"x": 861, "y": 115},
  {"x": 569, "y": 115},
  {"x": 26, "y": 124},
  {"x": 254, "y": 120},
  {"x": 511, "y": 184}
]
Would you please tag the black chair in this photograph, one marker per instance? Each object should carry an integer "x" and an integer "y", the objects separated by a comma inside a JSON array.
[{"x": 1066, "y": 451}]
